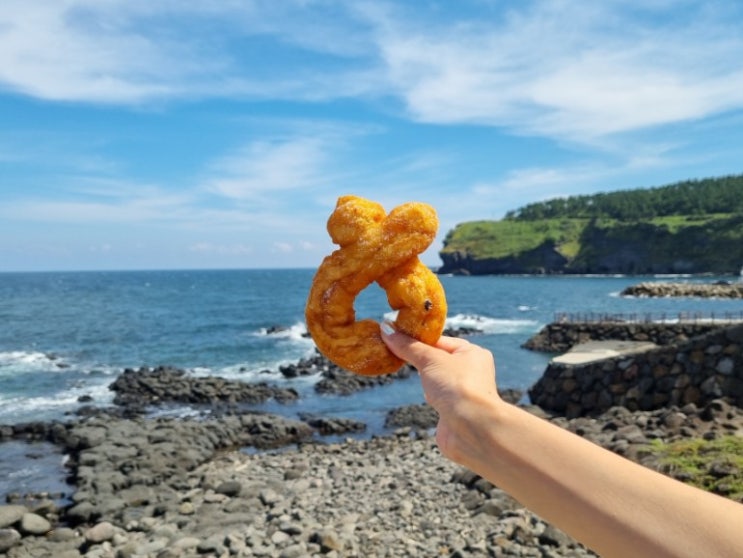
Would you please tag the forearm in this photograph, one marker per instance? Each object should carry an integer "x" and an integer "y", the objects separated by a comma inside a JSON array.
[{"x": 614, "y": 506}]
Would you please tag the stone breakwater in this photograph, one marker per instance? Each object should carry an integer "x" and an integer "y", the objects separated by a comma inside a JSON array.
[
  {"x": 559, "y": 337},
  {"x": 700, "y": 290},
  {"x": 698, "y": 370}
]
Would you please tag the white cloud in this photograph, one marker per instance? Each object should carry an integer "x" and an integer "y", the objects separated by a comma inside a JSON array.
[
  {"x": 58, "y": 50},
  {"x": 125, "y": 52},
  {"x": 93, "y": 199},
  {"x": 267, "y": 167},
  {"x": 568, "y": 69},
  {"x": 563, "y": 69},
  {"x": 537, "y": 181}
]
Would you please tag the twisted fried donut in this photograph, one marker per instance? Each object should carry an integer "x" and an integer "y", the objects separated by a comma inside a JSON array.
[{"x": 377, "y": 247}]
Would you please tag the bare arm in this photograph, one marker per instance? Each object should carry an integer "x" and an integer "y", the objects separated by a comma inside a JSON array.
[{"x": 612, "y": 505}]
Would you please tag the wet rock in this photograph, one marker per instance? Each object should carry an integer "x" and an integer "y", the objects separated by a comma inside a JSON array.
[
  {"x": 327, "y": 426},
  {"x": 417, "y": 416},
  {"x": 164, "y": 384}
]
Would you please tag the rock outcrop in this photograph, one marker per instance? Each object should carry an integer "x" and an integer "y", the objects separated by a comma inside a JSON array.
[{"x": 723, "y": 289}]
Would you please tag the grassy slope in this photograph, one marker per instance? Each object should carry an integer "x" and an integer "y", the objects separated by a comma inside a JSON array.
[
  {"x": 498, "y": 239},
  {"x": 672, "y": 236}
]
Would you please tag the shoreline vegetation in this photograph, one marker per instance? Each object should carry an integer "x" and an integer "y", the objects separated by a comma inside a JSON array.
[
  {"x": 691, "y": 227},
  {"x": 239, "y": 483}
]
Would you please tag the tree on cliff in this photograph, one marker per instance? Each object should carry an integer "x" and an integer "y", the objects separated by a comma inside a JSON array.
[{"x": 691, "y": 198}]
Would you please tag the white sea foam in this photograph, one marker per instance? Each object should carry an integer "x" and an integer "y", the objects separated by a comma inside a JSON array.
[
  {"x": 485, "y": 324},
  {"x": 36, "y": 368},
  {"x": 288, "y": 345},
  {"x": 297, "y": 331},
  {"x": 257, "y": 371},
  {"x": 29, "y": 361},
  {"x": 490, "y": 325},
  {"x": 14, "y": 408}
]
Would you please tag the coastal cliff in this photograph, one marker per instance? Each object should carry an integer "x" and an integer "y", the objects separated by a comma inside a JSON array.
[
  {"x": 629, "y": 232},
  {"x": 714, "y": 246}
]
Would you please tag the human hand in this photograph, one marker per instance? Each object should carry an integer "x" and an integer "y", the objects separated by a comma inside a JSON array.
[{"x": 458, "y": 379}]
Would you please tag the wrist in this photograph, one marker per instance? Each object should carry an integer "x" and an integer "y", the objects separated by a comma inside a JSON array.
[{"x": 470, "y": 428}]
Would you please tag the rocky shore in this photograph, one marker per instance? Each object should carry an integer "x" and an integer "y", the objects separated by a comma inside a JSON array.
[
  {"x": 722, "y": 289},
  {"x": 141, "y": 493},
  {"x": 243, "y": 484}
]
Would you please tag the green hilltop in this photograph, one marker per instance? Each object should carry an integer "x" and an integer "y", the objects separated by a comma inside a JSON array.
[{"x": 695, "y": 226}]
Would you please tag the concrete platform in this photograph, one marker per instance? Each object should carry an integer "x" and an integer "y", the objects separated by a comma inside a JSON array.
[{"x": 600, "y": 350}]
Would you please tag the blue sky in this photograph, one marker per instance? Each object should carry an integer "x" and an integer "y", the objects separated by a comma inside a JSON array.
[{"x": 218, "y": 134}]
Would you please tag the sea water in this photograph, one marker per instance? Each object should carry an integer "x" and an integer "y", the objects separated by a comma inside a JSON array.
[{"x": 69, "y": 334}]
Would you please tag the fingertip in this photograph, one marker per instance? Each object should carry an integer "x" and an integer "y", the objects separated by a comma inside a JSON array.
[
  {"x": 395, "y": 340},
  {"x": 387, "y": 328},
  {"x": 452, "y": 344}
]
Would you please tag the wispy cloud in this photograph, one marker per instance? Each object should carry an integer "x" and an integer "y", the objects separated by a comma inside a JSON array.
[
  {"x": 568, "y": 69},
  {"x": 267, "y": 167},
  {"x": 133, "y": 52},
  {"x": 562, "y": 69},
  {"x": 476, "y": 107}
]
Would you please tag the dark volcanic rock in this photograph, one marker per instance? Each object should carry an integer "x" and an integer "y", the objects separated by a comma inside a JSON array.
[
  {"x": 425, "y": 416},
  {"x": 703, "y": 290},
  {"x": 164, "y": 384},
  {"x": 114, "y": 461},
  {"x": 326, "y": 426},
  {"x": 418, "y": 416},
  {"x": 338, "y": 381}
]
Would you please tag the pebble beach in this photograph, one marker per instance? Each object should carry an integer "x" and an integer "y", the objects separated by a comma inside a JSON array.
[{"x": 252, "y": 484}]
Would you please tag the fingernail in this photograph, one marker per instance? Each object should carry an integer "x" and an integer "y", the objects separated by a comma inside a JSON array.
[{"x": 387, "y": 328}]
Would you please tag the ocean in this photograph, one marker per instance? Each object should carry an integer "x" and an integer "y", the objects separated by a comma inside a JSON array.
[{"x": 64, "y": 335}]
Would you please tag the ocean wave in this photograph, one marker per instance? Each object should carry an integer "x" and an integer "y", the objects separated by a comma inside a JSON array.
[
  {"x": 486, "y": 324},
  {"x": 15, "y": 363},
  {"x": 45, "y": 407},
  {"x": 32, "y": 362},
  {"x": 490, "y": 325},
  {"x": 297, "y": 331}
]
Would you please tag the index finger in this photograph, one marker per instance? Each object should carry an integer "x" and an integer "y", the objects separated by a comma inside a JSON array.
[{"x": 451, "y": 344}]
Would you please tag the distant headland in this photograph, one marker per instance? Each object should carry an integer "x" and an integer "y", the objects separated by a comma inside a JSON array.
[{"x": 692, "y": 227}]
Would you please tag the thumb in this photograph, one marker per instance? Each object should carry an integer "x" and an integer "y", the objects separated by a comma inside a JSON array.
[{"x": 407, "y": 348}]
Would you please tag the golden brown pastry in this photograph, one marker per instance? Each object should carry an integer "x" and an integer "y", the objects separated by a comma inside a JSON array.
[{"x": 381, "y": 247}]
